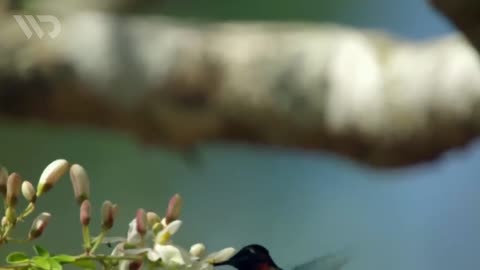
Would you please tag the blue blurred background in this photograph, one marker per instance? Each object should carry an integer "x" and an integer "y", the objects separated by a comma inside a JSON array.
[{"x": 299, "y": 205}]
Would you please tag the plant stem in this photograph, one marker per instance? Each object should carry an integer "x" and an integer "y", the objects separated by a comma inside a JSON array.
[
  {"x": 28, "y": 210},
  {"x": 86, "y": 239},
  {"x": 98, "y": 241},
  {"x": 16, "y": 266},
  {"x": 18, "y": 241},
  {"x": 99, "y": 258},
  {"x": 5, "y": 234}
]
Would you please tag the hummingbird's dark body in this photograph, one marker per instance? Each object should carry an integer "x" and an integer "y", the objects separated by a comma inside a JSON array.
[{"x": 257, "y": 257}]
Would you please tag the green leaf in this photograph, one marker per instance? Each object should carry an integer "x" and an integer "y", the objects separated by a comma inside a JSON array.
[
  {"x": 41, "y": 262},
  {"x": 41, "y": 251},
  {"x": 17, "y": 257},
  {"x": 64, "y": 258},
  {"x": 55, "y": 265},
  {"x": 85, "y": 264}
]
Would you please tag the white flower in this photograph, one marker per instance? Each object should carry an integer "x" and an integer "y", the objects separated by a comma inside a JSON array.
[
  {"x": 133, "y": 243},
  {"x": 168, "y": 255},
  {"x": 175, "y": 257},
  {"x": 163, "y": 237},
  {"x": 133, "y": 237},
  {"x": 171, "y": 256},
  {"x": 206, "y": 262}
]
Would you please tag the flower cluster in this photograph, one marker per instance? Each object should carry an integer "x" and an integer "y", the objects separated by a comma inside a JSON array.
[
  {"x": 11, "y": 185},
  {"x": 148, "y": 241},
  {"x": 149, "y": 229}
]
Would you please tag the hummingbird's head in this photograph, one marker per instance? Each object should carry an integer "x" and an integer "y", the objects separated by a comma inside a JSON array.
[{"x": 252, "y": 257}]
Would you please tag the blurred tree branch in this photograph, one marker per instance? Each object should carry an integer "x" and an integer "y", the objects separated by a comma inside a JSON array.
[{"x": 365, "y": 95}]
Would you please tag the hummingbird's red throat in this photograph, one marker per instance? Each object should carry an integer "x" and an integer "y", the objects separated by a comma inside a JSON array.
[{"x": 264, "y": 266}]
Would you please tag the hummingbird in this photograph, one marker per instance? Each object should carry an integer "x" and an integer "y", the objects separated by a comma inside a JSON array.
[{"x": 257, "y": 257}]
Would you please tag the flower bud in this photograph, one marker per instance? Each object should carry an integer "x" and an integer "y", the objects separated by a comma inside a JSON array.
[
  {"x": 39, "y": 225},
  {"x": 174, "y": 207},
  {"x": 50, "y": 175},
  {"x": 14, "y": 185},
  {"x": 152, "y": 219},
  {"x": 85, "y": 213},
  {"x": 80, "y": 183},
  {"x": 197, "y": 250},
  {"x": 109, "y": 212},
  {"x": 3, "y": 180},
  {"x": 221, "y": 256},
  {"x": 141, "y": 219},
  {"x": 28, "y": 191}
]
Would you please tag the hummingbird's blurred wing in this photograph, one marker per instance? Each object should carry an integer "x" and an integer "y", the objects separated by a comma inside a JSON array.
[{"x": 332, "y": 261}]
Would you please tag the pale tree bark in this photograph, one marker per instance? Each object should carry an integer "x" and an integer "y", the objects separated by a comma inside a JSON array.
[{"x": 365, "y": 95}]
